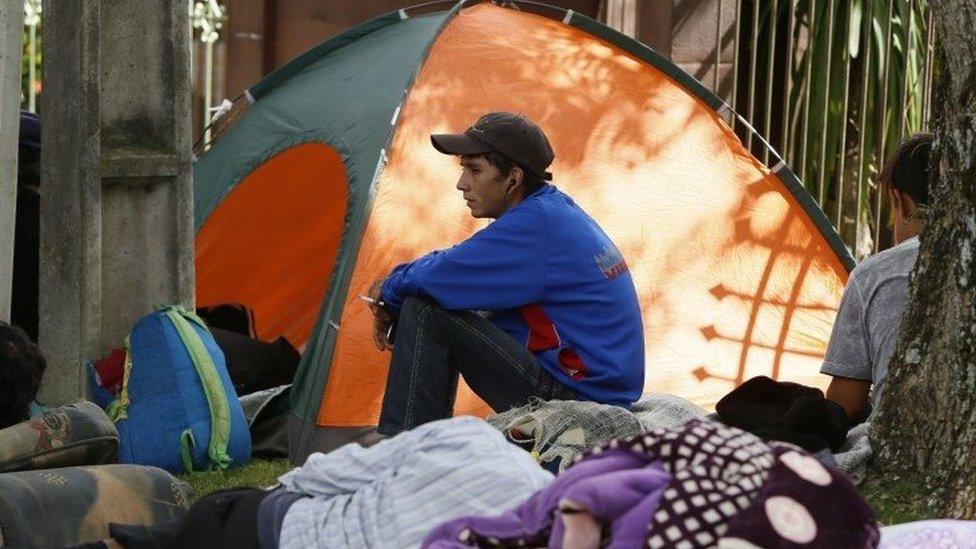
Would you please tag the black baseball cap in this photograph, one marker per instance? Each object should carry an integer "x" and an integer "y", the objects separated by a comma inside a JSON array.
[{"x": 511, "y": 135}]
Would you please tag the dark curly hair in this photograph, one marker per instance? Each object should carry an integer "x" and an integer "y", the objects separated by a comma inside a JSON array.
[
  {"x": 21, "y": 370},
  {"x": 907, "y": 169}
]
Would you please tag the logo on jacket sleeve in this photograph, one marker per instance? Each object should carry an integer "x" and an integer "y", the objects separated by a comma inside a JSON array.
[{"x": 611, "y": 262}]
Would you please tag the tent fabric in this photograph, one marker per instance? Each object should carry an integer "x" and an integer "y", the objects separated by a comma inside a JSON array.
[
  {"x": 326, "y": 96},
  {"x": 331, "y": 100},
  {"x": 738, "y": 273},
  {"x": 247, "y": 252},
  {"x": 699, "y": 212}
]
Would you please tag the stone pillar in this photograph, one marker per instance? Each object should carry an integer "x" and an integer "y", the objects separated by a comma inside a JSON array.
[
  {"x": 11, "y": 36},
  {"x": 117, "y": 205},
  {"x": 70, "y": 254}
]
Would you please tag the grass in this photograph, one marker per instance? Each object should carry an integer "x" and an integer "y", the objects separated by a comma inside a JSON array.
[
  {"x": 258, "y": 473},
  {"x": 893, "y": 502},
  {"x": 897, "y": 501}
]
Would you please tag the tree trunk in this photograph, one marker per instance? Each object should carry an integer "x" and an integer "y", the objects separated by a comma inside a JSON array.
[{"x": 925, "y": 428}]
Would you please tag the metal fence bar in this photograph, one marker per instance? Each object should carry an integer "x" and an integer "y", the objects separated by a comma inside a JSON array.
[
  {"x": 718, "y": 49},
  {"x": 842, "y": 160},
  {"x": 862, "y": 126},
  {"x": 882, "y": 124},
  {"x": 207, "y": 90},
  {"x": 752, "y": 72},
  {"x": 629, "y": 18},
  {"x": 822, "y": 167},
  {"x": 32, "y": 18},
  {"x": 208, "y": 16},
  {"x": 907, "y": 43},
  {"x": 735, "y": 62},
  {"x": 929, "y": 71},
  {"x": 615, "y": 15},
  {"x": 770, "y": 72},
  {"x": 845, "y": 139},
  {"x": 811, "y": 39},
  {"x": 32, "y": 69},
  {"x": 785, "y": 130}
]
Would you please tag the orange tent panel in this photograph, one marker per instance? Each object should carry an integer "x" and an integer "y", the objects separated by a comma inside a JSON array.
[
  {"x": 733, "y": 277},
  {"x": 273, "y": 242}
]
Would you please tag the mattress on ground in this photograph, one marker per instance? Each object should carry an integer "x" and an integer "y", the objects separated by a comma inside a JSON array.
[
  {"x": 73, "y": 505},
  {"x": 77, "y": 434}
]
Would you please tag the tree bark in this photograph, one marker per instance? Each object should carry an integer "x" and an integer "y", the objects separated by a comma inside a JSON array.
[{"x": 925, "y": 427}]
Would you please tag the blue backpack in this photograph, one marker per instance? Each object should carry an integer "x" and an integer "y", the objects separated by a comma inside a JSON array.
[{"x": 177, "y": 408}]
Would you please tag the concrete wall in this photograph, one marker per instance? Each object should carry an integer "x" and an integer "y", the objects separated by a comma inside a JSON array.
[
  {"x": 116, "y": 210},
  {"x": 685, "y": 32},
  {"x": 261, "y": 35},
  {"x": 147, "y": 198},
  {"x": 11, "y": 34},
  {"x": 243, "y": 40},
  {"x": 70, "y": 270}
]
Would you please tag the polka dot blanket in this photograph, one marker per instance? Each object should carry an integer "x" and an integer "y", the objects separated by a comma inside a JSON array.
[{"x": 698, "y": 485}]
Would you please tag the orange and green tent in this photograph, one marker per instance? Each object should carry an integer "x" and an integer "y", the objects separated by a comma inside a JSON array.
[{"x": 328, "y": 180}]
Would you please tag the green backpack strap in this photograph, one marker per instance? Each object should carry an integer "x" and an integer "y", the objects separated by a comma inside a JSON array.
[
  {"x": 187, "y": 443},
  {"x": 213, "y": 389},
  {"x": 192, "y": 316}
]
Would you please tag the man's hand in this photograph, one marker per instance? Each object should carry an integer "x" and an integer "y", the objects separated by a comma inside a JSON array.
[
  {"x": 374, "y": 293},
  {"x": 382, "y": 319},
  {"x": 382, "y": 323}
]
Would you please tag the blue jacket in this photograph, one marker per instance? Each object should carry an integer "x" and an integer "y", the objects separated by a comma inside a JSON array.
[{"x": 553, "y": 279}]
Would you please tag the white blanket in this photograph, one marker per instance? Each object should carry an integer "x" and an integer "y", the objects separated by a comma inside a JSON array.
[{"x": 393, "y": 493}]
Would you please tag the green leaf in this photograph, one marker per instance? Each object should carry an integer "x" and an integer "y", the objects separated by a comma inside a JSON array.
[
  {"x": 879, "y": 43},
  {"x": 854, "y": 28}
]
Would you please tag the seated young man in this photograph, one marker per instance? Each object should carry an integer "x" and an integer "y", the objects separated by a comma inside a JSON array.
[
  {"x": 21, "y": 370},
  {"x": 557, "y": 313},
  {"x": 869, "y": 318}
]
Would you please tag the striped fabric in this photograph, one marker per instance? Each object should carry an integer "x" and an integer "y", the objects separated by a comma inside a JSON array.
[{"x": 394, "y": 493}]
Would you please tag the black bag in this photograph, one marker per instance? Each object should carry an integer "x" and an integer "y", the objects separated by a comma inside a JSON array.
[
  {"x": 233, "y": 317},
  {"x": 790, "y": 412},
  {"x": 255, "y": 365}
]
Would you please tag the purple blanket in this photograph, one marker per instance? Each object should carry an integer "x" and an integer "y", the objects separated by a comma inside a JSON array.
[{"x": 691, "y": 486}]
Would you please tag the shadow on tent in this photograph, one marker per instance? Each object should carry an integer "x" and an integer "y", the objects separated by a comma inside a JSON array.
[{"x": 328, "y": 180}]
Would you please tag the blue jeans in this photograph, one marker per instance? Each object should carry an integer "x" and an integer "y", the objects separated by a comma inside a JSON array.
[{"x": 433, "y": 346}]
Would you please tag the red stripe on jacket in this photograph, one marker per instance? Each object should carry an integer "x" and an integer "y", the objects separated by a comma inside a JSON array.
[
  {"x": 542, "y": 332},
  {"x": 543, "y": 336},
  {"x": 572, "y": 364}
]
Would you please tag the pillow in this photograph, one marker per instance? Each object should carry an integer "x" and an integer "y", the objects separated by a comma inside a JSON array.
[
  {"x": 77, "y": 434},
  {"x": 74, "y": 505}
]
